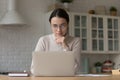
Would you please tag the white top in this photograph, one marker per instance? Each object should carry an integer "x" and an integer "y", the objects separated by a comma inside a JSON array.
[{"x": 47, "y": 43}]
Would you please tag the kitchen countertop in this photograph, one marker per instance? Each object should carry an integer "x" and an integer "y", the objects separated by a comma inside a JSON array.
[{"x": 111, "y": 77}]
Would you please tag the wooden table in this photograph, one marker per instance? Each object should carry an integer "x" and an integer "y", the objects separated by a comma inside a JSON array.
[{"x": 115, "y": 77}]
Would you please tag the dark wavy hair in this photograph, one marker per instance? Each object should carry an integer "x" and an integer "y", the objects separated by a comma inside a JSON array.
[{"x": 59, "y": 12}]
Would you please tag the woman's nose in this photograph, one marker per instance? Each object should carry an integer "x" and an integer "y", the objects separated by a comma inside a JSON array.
[{"x": 59, "y": 28}]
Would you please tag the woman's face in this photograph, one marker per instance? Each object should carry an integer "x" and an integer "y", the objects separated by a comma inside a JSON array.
[{"x": 59, "y": 26}]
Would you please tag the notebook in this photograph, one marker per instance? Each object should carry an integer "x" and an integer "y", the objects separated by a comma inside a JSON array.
[{"x": 55, "y": 63}]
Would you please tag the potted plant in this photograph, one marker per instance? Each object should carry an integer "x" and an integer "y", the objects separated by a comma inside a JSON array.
[
  {"x": 113, "y": 11},
  {"x": 98, "y": 66},
  {"x": 66, "y": 1}
]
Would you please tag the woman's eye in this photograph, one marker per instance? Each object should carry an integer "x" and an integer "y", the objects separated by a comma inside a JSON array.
[
  {"x": 62, "y": 26},
  {"x": 55, "y": 26}
]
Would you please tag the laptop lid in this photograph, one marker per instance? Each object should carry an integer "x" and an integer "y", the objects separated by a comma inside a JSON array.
[{"x": 53, "y": 63}]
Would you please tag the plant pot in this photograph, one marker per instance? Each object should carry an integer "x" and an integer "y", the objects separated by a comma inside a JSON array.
[
  {"x": 91, "y": 12},
  {"x": 98, "y": 69},
  {"x": 113, "y": 13},
  {"x": 66, "y": 5}
]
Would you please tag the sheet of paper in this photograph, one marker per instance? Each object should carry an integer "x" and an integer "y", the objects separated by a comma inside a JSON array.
[
  {"x": 94, "y": 75},
  {"x": 18, "y": 74}
]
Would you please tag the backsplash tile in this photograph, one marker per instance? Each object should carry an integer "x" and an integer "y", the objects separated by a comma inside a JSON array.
[{"x": 15, "y": 49}]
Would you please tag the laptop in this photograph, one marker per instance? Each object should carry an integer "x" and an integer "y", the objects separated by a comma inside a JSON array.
[{"x": 55, "y": 63}]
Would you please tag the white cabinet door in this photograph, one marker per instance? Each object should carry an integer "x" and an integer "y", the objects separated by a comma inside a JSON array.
[
  {"x": 97, "y": 33},
  {"x": 113, "y": 34},
  {"x": 79, "y": 28}
]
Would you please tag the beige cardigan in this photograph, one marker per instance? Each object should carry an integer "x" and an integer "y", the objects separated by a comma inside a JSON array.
[{"x": 47, "y": 43}]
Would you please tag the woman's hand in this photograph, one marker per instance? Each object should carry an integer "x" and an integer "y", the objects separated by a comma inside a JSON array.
[{"x": 61, "y": 40}]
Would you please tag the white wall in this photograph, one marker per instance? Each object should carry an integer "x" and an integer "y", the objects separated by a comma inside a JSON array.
[{"x": 17, "y": 43}]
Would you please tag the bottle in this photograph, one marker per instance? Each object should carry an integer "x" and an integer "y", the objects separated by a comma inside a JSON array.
[{"x": 86, "y": 65}]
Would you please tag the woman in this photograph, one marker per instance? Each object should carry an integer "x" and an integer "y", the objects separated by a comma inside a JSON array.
[{"x": 60, "y": 40}]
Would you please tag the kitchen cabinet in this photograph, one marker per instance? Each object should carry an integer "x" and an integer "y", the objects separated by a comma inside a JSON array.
[{"x": 99, "y": 33}]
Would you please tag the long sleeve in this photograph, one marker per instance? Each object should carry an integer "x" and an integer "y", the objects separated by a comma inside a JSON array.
[
  {"x": 77, "y": 51},
  {"x": 75, "y": 46},
  {"x": 40, "y": 45},
  {"x": 47, "y": 43}
]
